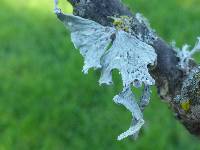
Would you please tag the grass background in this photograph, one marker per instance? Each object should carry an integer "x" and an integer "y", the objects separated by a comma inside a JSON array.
[{"x": 46, "y": 103}]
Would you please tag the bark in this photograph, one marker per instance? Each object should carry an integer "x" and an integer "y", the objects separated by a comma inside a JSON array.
[{"x": 170, "y": 79}]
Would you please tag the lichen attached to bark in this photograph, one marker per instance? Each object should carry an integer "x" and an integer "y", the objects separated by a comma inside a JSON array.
[{"x": 108, "y": 48}]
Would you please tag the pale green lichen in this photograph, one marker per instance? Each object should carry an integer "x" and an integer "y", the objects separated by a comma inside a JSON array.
[
  {"x": 185, "y": 55},
  {"x": 125, "y": 52}
]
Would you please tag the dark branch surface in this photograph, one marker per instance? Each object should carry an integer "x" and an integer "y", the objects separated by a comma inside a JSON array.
[{"x": 169, "y": 78}]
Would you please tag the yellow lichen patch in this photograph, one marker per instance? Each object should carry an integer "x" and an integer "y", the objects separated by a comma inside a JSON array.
[
  {"x": 122, "y": 23},
  {"x": 126, "y": 29},
  {"x": 117, "y": 22},
  {"x": 185, "y": 105}
]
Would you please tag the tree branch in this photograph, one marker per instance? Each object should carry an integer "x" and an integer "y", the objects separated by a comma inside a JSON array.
[{"x": 170, "y": 79}]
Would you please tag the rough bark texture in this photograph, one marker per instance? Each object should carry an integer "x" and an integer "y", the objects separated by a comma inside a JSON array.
[{"x": 169, "y": 77}]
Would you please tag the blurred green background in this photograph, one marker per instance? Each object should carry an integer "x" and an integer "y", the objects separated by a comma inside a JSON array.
[{"x": 46, "y": 103}]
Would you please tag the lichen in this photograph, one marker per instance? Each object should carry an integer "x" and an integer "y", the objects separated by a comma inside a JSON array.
[
  {"x": 185, "y": 55},
  {"x": 123, "y": 23},
  {"x": 90, "y": 37},
  {"x": 130, "y": 24},
  {"x": 126, "y": 53},
  {"x": 131, "y": 57},
  {"x": 148, "y": 35},
  {"x": 190, "y": 93}
]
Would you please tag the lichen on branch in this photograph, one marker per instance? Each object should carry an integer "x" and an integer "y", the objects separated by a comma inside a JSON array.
[{"x": 171, "y": 70}]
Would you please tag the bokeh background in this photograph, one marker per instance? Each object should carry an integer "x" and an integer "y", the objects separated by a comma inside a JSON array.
[{"x": 46, "y": 103}]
